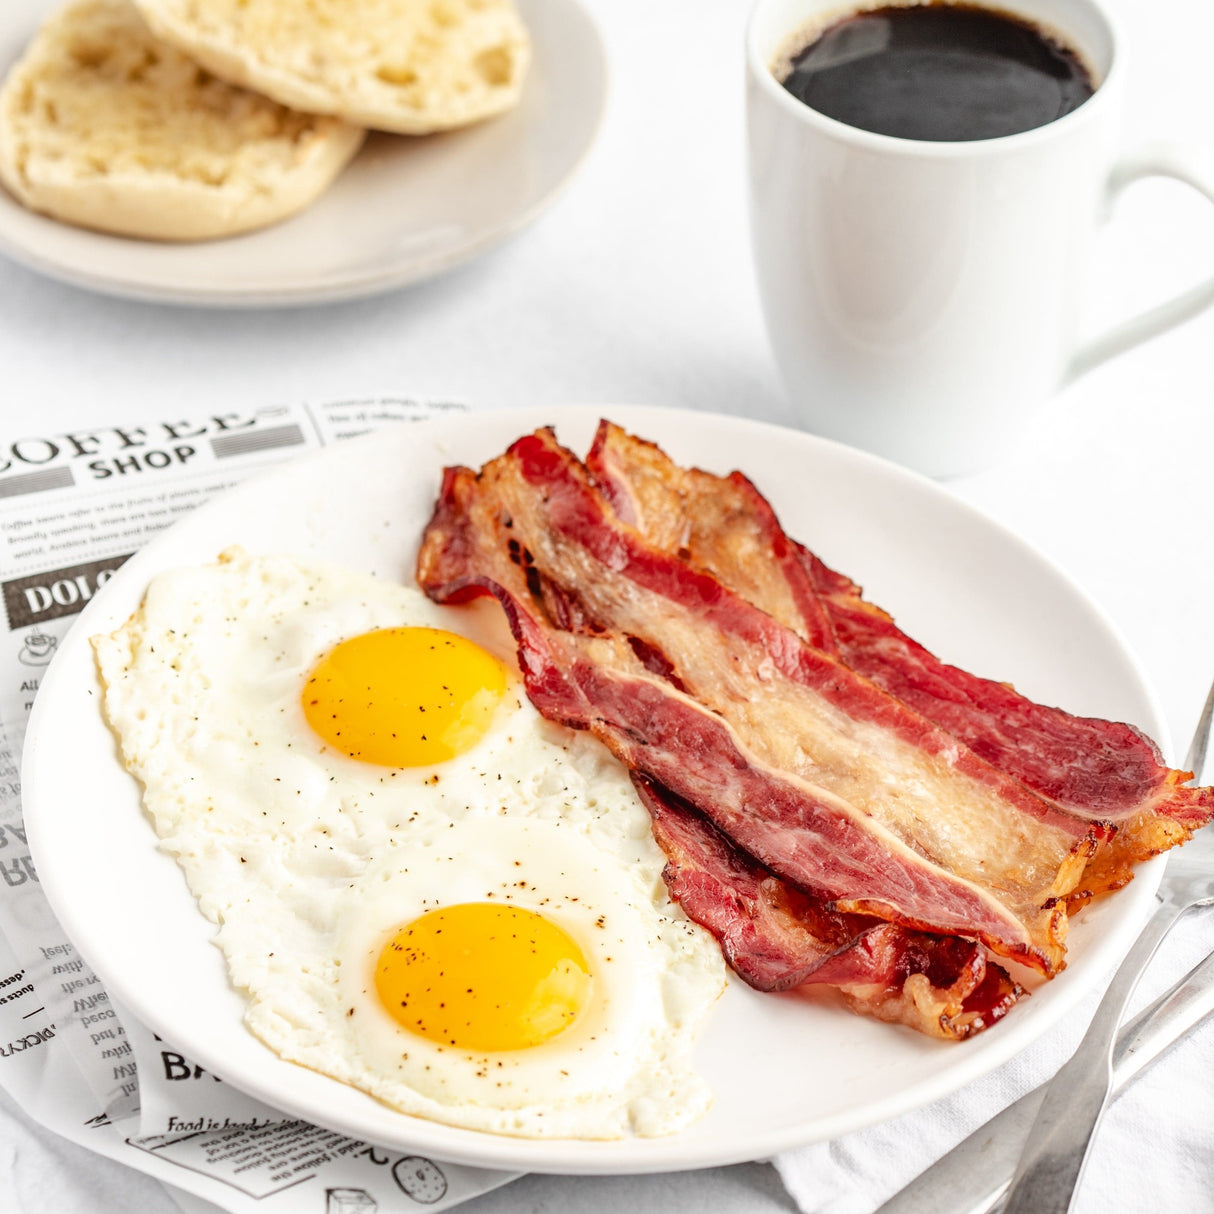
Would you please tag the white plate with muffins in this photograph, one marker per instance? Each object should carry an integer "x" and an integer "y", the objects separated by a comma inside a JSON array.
[{"x": 146, "y": 157}]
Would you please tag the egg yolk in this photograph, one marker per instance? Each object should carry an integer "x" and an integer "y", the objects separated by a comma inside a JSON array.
[
  {"x": 404, "y": 697},
  {"x": 483, "y": 977}
]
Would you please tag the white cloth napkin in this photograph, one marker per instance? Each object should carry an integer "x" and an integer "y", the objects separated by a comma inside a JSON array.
[{"x": 1154, "y": 1151}]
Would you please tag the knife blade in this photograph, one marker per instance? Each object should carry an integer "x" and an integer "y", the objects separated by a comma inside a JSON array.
[{"x": 973, "y": 1177}]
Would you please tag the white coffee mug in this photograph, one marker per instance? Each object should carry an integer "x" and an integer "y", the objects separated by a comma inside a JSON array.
[{"x": 922, "y": 298}]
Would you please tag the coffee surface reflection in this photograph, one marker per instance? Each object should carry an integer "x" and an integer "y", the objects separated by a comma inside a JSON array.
[{"x": 936, "y": 72}]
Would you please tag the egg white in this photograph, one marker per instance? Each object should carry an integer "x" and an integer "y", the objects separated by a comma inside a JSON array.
[{"x": 308, "y": 860}]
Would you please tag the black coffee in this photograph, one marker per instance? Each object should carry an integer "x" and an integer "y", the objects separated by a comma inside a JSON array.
[{"x": 940, "y": 72}]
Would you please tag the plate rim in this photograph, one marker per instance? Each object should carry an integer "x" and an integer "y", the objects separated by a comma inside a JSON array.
[
  {"x": 579, "y": 1157},
  {"x": 373, "y": 281}
]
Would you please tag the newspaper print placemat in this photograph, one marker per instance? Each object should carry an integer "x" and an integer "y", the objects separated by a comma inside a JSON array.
[{"x": 73, "y": 507}]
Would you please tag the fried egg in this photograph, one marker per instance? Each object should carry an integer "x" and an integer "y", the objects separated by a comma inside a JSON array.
[{"x": 421, "y": 887}]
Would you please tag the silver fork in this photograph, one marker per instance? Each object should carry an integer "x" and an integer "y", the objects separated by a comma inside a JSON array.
[{"x": 1052, "y": 1161}]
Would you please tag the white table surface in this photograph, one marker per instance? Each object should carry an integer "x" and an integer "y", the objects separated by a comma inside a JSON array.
[{"x": 637, "y": 287}]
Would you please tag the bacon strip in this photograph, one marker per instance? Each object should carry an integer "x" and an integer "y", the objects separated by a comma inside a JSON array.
[
  {"x": 1097, "y": 771},
  {"x": 937, "y": 845},
  {"x": 778, "y": 938}
]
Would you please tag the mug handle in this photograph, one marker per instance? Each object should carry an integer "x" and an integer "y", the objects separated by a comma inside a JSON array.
[{"x": 1156, "y": 160}]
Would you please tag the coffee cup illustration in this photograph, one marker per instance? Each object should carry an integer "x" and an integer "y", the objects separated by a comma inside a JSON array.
[{"x": 38, "y": 648}]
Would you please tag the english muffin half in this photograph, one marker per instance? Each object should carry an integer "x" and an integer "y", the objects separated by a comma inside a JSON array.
[
  {"x": 409, "y": 66},
  {"x": 104, "y": 125}
]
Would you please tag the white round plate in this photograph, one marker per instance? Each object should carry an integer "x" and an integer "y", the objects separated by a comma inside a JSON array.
[
  {"x": 786, "y": 1070},
  {"x": 404, "y": 210}
]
